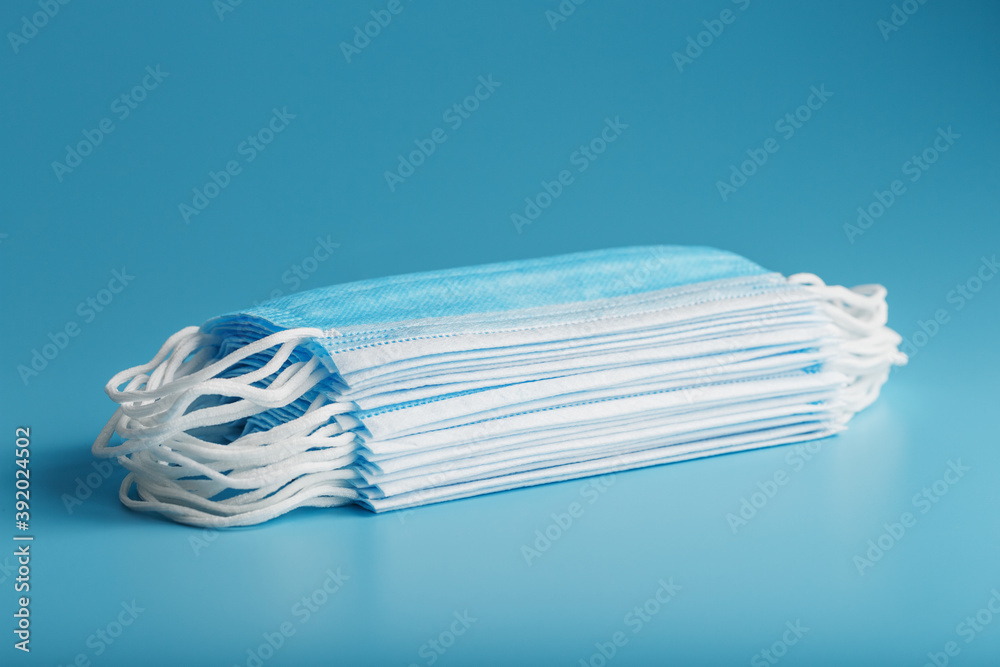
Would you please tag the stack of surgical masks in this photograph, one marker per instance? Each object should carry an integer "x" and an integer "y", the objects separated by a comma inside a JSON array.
[{"x": 415, "y": 389}]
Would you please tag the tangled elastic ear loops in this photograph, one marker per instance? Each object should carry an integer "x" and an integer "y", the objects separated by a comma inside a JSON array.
[
  {"x": 184, "y": 342},
  {"x": 862, "y": 309},
  {"x": 868, "y": 348},
  {"x": 170, "y": 406},
  {"x": 155, "y": 406}
]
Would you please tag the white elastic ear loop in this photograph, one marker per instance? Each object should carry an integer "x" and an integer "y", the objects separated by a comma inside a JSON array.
[
  {"x": 869, "y": 348},
  {"x": 289, "y": 385},
  {"x": 167, "y": 404},
  {"x": 863, "y": 303},
  {"x": 183, "y": 340},
  {"x": 295, "y": 465},
  {"x": 330, "y": 493},
  {"x": 289, "y": 335},
  {"x": 264, "y": 447},
  {"x": 254, "y": 484},
  {"x": 140, "y": 438},
  {"x": 182, "y": 492},
  {"x": 318, "y": 448},
  {"x": 184, "y": 335},
  {"x": 301, "y": 462}
]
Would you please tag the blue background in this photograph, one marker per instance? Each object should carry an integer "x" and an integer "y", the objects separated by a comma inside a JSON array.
[{"x": 207, "y": 598}]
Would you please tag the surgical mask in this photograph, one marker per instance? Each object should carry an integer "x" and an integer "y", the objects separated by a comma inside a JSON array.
[{"x": 403, "y": 391}]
